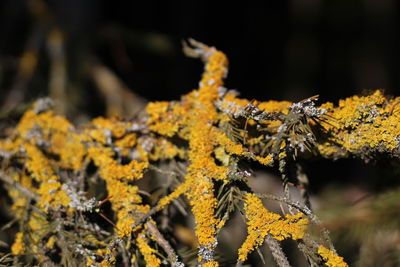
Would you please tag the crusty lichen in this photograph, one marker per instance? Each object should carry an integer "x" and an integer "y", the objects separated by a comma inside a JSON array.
[
  {"x": 206, "y": 135},
  {"x": 331, "y": 258},
  {"x": 262, "y": 222},
  {"x": 362, "y": 126}
]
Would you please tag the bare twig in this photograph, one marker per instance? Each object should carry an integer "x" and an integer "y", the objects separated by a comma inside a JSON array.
[
  {"x": 58, "y": 71},
  {"x": 159, "y": 238},
  {"x": 277, "y": 253},
  {"x": 120, "y": 100}
]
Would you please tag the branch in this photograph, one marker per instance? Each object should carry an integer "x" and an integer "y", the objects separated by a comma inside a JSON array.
[{"x": 159, "y": 238}]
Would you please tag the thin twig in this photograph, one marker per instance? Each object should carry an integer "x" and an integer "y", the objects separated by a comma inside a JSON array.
[
  {"x": 159, "y": 238},
  {"x": 277, "y": 253}
]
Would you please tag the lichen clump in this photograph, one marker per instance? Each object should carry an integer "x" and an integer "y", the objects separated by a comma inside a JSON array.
[{"x": 54, "y": 171}]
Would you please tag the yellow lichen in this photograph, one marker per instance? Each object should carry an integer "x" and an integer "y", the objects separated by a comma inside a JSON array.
[
  {"x": 212, "y": 263},
  {"x": 267, "y": 160},
  {"x": 330, "y": 257},
  {"x": 147, "y": 252},
  {"x": 18, "y": 247},
  {"x": 52, "y": 195},
  {"x": 261, "y": 223},
  {"x": 164, "y": 149},
  {"x": 365, "y": 122},
  {"x": 275, "y": 106},
  {"x": 208, "y": 133},
  {"x": 50, "y": 243},
  {"x": 181, "y": 189}
]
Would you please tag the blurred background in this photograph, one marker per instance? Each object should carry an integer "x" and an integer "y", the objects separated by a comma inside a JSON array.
[
  {"x": 277, "y": 49},
  {"x": 98, "y": 57}
]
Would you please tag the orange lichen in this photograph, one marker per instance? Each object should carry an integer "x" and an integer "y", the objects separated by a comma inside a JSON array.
[
  {"x": 181, "y": 189},
  {"x": 52, "y": 195},
  {"x": 364, "y": 122},
  {"x": 212, "y": 263},
  {"x": 161, "y": 120},
  {"x": 164, "y": 149},
  {"x": 116, "y": 127},
  {"x": 147, "y": 252},
  {"x": 70, "y": 150},
  {"x": 261, "y": 223},
  {"x": 111, "y": 169},
  {"x": 206, "y": 136},
  {"x": 18, "y": 247},
  {"x": 38, "y": 164},
  {"x": 330, "y": 257},
  {"x": 267, "y": 160},
  {"x": 275, "y": 106},
  {"x": 230, "y": 146}
]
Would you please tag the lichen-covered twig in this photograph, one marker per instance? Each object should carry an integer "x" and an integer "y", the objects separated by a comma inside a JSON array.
[{"x": 209, "y": 133}]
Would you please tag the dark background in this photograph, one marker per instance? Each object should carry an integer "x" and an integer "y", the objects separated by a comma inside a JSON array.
[{"x": 277, "y": 49}]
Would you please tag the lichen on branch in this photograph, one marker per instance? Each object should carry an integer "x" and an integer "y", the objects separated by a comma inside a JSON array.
[{"x": 78, "y": 192}]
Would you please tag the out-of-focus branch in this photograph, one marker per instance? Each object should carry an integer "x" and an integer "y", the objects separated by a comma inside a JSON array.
[
  {"x": 29, "y": 58},
  {"x": 159, "y": 238},
  {"x": 58, "y": 72},
  {"x": 120, "y": 100},
  {"x": 26, "y": 67}
]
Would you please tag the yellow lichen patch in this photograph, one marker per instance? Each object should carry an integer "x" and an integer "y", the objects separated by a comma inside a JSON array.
[
  {"x": 267, "y": 160},
  {"x": 275, "y": 106},
  {"x": 10, "y": 146},
  {"x": 201, "y": 144},
  {"x": 156, "y": 110},
  {"x": 181, "y": 189},
  {"x": 100, "y": 136},
  {"x": 124, "y": 197},
  {"x": 70, "y": 150},
  {"x": 355, "y": 110},
  {"x": 38, "y": 164},
  {"x": 124, "y": 223},
  {"x": 330, "y": 257},
  {"x": 164, "y": 128},
  {"x": 222, "y": 156},
  {"x": 52, "y": 195},
  {"x": 203, "y": 205},
  {"x": 109, "y": 255},
  {"x": 261, "y": 223},
  {"x": 162, "y": 120},
  {"x": 18, "y": 247},
  {"x": 147, "y": 252},
  {"x": 131, "y": 171},
  {"x": 111, "y": 169},
  {"x": 50, "y": 243},
  {"x": 128, "y": 141},
  {"x": 164, "y": 149},
  {"x": 230, "y": 146},
  {"x": 116, "y": 127},
  {"x": 212, "y": 263},
  {"x": 362, "y": 122},
  {"x": 127, "y": 203},
  {"x": 45, "y": 122}
]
